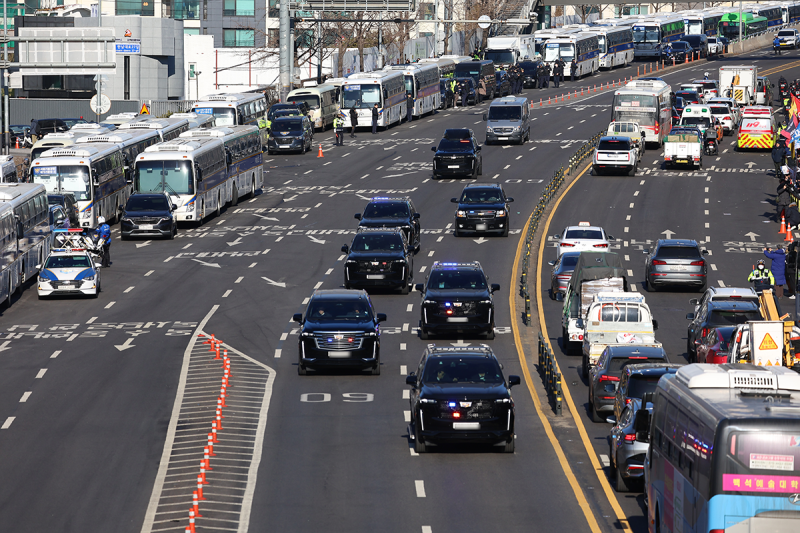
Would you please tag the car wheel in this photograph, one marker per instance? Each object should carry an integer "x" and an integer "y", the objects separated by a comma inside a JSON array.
[
  {"x": 489, "y": 335},
  {"x": 509, "y": 447},
  {"x": 487, "y": 142},
  {"x": 621, "y": 485},
  {"x": 423, "y": 333},
  {"x": 632, "y": 171},
  {"x": 585, "y": 367},
  {"x": 480, "y": 168},
  {"x": 301, "y": 369},
  {"x": 123, "y": 237},
  {"x": 218, "y": 211},
  {"x": 505, "y": 230},
  {"x": 235, "y": 200},
  {"x": 650, "y": 286},
  {"x": 172, "y": 234},
  {"x": 376, "y": 370},
  {"x": 457, "y": 233},
  {"x": 406, "y": 288},
  {"x": 595, "y": 415},
  {"x": 419, "y": 444}
]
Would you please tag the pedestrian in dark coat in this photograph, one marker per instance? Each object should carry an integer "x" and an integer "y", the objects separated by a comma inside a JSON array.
[
  {"x": 782, "y": 201},
  {"x": 791, "y": 269},
  {"x": 547, "y": 72},
  {"x": 778, "y": 267},
  {"x": 353, "y": 121},
  {"x": 540, "y": 74},
  {"x": 792, "y": 216},
  {"x": 375, "y": 119},
  {"x": 558, "y": 71},
  {"x": 464, "y": 93},
  {"x": 409, "y": 107},
  {"x": 778, "y": 155},
  {"x": 573, "y": 69}
]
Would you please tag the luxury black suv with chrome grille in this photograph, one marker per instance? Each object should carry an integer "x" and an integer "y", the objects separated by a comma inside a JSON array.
[
  {"x": 383, "y": 212},
  {"x": 460, "y": 395},
  {"x": 341, "y": 330},
  {"x": 482, "y": 208},
  {"x": 456, "y": 298},
  {"x": 379, "y": 258},
  {"x": 458, "y": 154}
]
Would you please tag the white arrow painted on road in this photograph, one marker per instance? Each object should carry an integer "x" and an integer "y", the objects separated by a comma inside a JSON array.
[
  {"x": 290, "y": 198},
  {"x": 4, "y": 346},
  {"x": 215, "y": 265},
  {"x": 752, "y": 236},
  {"x": 145, "y": 243},
  {"x": 668, "y": 233},
  {"x": 318, "y": 241},
  {"x": 364, "y": 197},
  {"x": 267, "y": 218},
  {"x": 481, "y": 240},
  {"x": 750, "y": 164},
  {"x": 124, "y": 346},
  {"x": 460, "y": 343},
  {"x": 276, "y": 283},
  {"x": 237, "y": 241}
]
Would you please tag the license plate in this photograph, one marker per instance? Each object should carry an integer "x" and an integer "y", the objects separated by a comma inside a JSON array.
[
  {"x": 338, "y": 355},
  {"x": 467, "y": 425},
  {"x": 65, "y": 287},
  {"x": 502, "y": 138},
  {"x": 375, "y": 276},
  {"x": 681, "y": 160},
  {"x": 678, "y": 268},
  {"x": 480, "y": 227},
  {"x": 145, "y": 226},
  {"x": 452, "y": 166},
  {"x": 284, "y": 146},
  {"x": 457, "y": 319}
]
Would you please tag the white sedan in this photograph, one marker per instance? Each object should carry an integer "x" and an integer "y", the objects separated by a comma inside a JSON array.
[
  {"x": 69, "y": 271},
  {"x": 583, "y": 237}
]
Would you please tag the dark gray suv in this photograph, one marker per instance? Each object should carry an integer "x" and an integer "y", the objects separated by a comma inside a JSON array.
[{"x": 149, "y": 215}]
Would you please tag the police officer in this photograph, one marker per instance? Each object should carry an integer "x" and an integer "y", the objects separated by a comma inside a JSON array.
[
  {"x": 558, "y": 71},
  {"x": 573, "y": 69},
  {"x": 353, "y": 121},
  {"x": 761, "y": 277},
  {"x": 409, "y": 107},
  {"x": 464, "y": 93},
  {"x": 547, "y": 72},
  {"x": 103, "y": 231},
  {"x": 375, "y": 119},
  {"x": 540, "y": 74},
  {"x": 338, "y": 127},
  {"x": 776, "y": 45}
]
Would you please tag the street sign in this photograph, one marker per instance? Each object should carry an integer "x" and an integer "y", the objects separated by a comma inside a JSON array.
[
  {"x": 486, "y": 21},
  {"x": 103, "y": 107},
  {"x": 128, "y": 46},
  {"x": 144, "y": 110}
]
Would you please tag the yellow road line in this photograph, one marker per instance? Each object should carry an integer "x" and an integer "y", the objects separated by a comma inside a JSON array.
[
  {"x": 601, "y": 476},
  {"x": 780, "y": 69}
]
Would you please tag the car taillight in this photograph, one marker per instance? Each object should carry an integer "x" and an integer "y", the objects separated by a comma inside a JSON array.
[
  {"x": 627, "y": 401},
  {"x": 704, "y": 332},
  {"x": 631, "y": 437},
  {"x": 656, "y": 125},
  {"x": 716, "y": 531},
  {"x": 637, "y": 357},
  {"x": 697, "y": 263},
  {"x": 601, "y": 246},
  {"x": 566, "y": 244},
  {"x": 580, "y": 337},
  {"x": 727, "y": 118},
  {"x": 657, "y": 262},
  {"x": 608, "y": 378},
  {"x": 564, "y": 277}
]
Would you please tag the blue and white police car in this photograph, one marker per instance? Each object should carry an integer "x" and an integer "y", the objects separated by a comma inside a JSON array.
[{"x": 69, "y": 271}]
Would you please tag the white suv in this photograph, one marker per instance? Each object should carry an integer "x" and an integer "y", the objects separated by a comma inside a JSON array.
[{"x": 789, "y": 38}]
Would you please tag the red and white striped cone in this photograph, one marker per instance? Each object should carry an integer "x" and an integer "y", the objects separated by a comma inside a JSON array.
[
  {"x": 210, "y": 340},
  {"x": 191, "y": 522},
  {"x": 219, "y": 422},
  {"x": 225, "y": 382},
  {"x": 206, "y": 459},
  {"x": 219, "y": 413},
  {"x": 200, "y": 489},
  {"x": 214, "y": 433},
  {"x": 222, "y": 395},
  {"x": 219, "y": 403},
  {"x": 195, "y": 505},
  {"x": 211, "y": 446},
  {"x": 203, "y": 474},
  {"x": 540, "y": 102},
  {"x": 217, "y": 356}
]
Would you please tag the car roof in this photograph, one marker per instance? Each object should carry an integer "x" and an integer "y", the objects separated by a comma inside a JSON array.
[
  {"x": 380, "y": 230},
  {"x": 390, "y": 199},
  {"x": 63, "y": 252},
  {"x": 598, "y": 228},
  {"x": 615, "y": 138},
  {"x": 457, "y": 133},
  {"x": 482, "y": 350},
  {"x": 440, "y": 265},
  {"x": 338, "y": 294},
  {"x": 677, "y": 243},
  {"x": 652, "y": 369},
  {"x": 483, "y": 186},
  {"x": 626, "y": 350},
  {"x": 744, "y": 292}
]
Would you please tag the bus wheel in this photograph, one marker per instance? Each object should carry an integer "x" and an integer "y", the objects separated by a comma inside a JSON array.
[
  {"x": 10, "y": 293},
  {"x": 218, "y": 212},
  {"x": 235, "y": 200},
  {"x": 253, "y": 187}
]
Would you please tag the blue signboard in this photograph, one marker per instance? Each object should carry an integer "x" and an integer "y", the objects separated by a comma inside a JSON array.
[
  {"x": 129, "y": 48},
  {"x": 203, "y": 110}
]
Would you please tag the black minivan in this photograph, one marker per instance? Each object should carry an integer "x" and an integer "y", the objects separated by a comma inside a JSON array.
[{"x": 477, "y": 70}]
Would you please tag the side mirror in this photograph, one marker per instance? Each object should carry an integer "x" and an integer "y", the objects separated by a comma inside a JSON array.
[
  {"x": 689, "y": 316},
  {"x": 646, "y": 251},
  {"x": 513, "y": 380},
  {"x": 411, "y": 379},
  {"x": 495, "y": 287},
  {"x": 454, "y": 200},
  {"x": 557, "y": 237},
  {"x": 416, "y": 216},
  {"x": 551, "y": 263},
  {"x": 647, "y": 397},
  {"x": 346, "y": 249},
  {"x": 612, "y": 420},
  {"x": 419, "y": 287},
  {"x": 38, "y": 267},
  {"x": 705, "y": 252},
  {"x": 484, "y": 117},
  {"x": 381, "y": 317},
  {"x": 297, "y": 317},
  {"x": 655, "y": 325},
  {"x": 174, "y": 207},
  {"x": 694, "y": 301},
  {"x": 641, "y": 421},
  {"x": 98, "y": 265},
  {"x": 509, "y": 200},
  {"x": 357, "y": 216},
  {"x": 559, "y": 296},
  {"x": 433, "y": 148},
  {"x": 611, "y": 238}
]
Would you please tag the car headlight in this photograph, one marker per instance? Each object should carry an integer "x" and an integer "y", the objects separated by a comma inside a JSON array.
[
  {"x": 428, "y": 302},
  {"x": 460, "y": 213},
  {"x": 189, "y": 207},
  {"x": 489, "y": 130},
  {"x": 486, "y": 301},
  {"x": 427, "y": 400},
  {"x": 89, "y": 278},
  {"x": 351, "y": 261},
  {"x": 125, "y": 219},
  {"x": 500, "y": 213},
  {"x": 86, "y": 213}
]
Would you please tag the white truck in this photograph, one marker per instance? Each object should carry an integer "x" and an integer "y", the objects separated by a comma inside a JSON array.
[
  {"x": 757, "y": 342},
  {"x": 739, "y": 83},
  {"x": 510, "y": 50},
  {"x": 616, "y": 318},
  {"x": 683, "y": 149}
]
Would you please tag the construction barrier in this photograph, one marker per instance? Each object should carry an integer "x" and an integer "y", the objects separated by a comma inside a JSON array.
[{"x": 550, "y": 376}]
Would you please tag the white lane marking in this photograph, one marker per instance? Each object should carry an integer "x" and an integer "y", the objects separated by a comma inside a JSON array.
[
  {"x": 227, "y": 293},
  {"x": 318, "y": 285},
  {"x": 604, "y": 460},
  {"x": 409, "y": 308},
  {"x": 328, "y": 272},
  {"x": 110, "y": 304},
  {"x": 72, "y": 337},
  {"x": 495, "y": 176},
  {"x": 440, "y": 238},
  {"x": 403, "y": 370},
  {"x": 304, "y": 216},
  {"x": 328, "y": 163},
  {"x": 721, "y": 284},
  {"x": 91, "y": 320},
  {"x": 148, "y": 273},
  {"x": 287, "y": 182},
  {"x": 252, "y": 265},
  {"x": 8, "y": 422},
  {"x": 187, "y": 246},
  {"x": 306, "y": 300},
  {"x": 168, "y": 259},
  {"x": 239, "y": 279},
  {"x": 626, "y": 229},
  {"x": 519, "y": 157},
  {"x": 627, "y": 258},
  {"x": 402, "y": 346},
  {"x": 41, "y": 373},
  {"x": 129, "y": 289},
  {"x": 630, "y": 272},
  {"x": 341, "y": 257},
  {"x": 641, "y": 182},
  {"x": 405, "y": 326},
  {"x": 308, "y": 171},
  {"x": 628, "y": 217},
  {"x": 380, "y": 167},
  {"x": 506, "y": 167},
  {"x": 706, "y": 189},
  {"x": 631, "y": 206},
  {"x": 55, "y": 354},
  {"x": 25, "y": 397},
  {"x": 278, "y": 353},
  {"x": 636, "y": 193},
  {"x": 221, "y": 222},
  {"x": 396, "y": 158},
  {"x": 426, "y": 529},
  {"x": 706, "y": 200},
  {"x": 421, "y": 270},
  {"x": 420, "y": 486},
  {"x": 415, "y": 149},
  {"x": 284, "y": 336},
  {"x": 448, "y": 226},
  {"x": 707, "y": 225},
  {"x": 406, "y": 394},
  {"x": 364, "y": 176},
  {"x": 430, "y": 254},
  {"x": 407, "y": 416},
  {"x": 713, "y": 267},
  {"x": 706, "y": 211},
  {"x": 318, "y": 205}
]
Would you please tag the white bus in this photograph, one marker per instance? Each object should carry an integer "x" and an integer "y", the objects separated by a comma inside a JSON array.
[
  {"x": 166, "y": 128},
  {"x": 93, "y": 173},
  {"x": 583, "y": 47},
  {"x": 242, "y": 157},
  {"x": 422, "y": 84},
  {"x": 231, "y": 109},
  {"x": 383, "y": 87},
  {"x": 131, "y": 142},
  {"x": 8, "y": 170},
  {"x": 447, "y": 65},
  {"x": 192, "y": 171},
  {"x": 615, "y": 43},
  {"x": 321, "y": 102},
  {"x": 197, "y": 121},
  {"x": 25, "y": 234},
  {"x": 647, "y": 103},
  {"x": 702, "y": 22},
  {"x": 66, "y": 138},
  {"x": 650, "y": 35}
]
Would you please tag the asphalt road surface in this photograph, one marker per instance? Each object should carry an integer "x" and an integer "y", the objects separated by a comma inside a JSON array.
[{"x": 105, "y": 404}]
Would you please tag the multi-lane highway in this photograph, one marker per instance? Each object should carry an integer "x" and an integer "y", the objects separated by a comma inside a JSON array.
[{"x": 105, "y": 404}]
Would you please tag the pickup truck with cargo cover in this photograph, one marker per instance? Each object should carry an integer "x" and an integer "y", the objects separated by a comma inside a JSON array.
[{"x": 683, "y": 148}]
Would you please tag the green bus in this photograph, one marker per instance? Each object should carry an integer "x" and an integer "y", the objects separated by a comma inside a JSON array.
[{"x": 729, "y": 25}]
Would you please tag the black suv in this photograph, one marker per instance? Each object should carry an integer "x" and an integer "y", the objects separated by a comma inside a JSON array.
[
  {"x": 383, "y": 212},
  {"x": 636, "y": 380},
  {"x": 149, "y": 214},
  {"x": 482, "y": 208},
  {"x": 379, "y": 257},
  {"x": 298, "y": 106},
  {"x": 290, "y": 134},
  {"x": 460, "y": 395},
  {"x": 340, "y": 330},
  {"x": 457, "y": 298},
  {"x": 67, "y": 201},
  {"x": 714, "y": 314},
  {"x": 458, "y": 154}
]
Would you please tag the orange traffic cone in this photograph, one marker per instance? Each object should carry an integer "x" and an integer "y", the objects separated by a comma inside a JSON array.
[
  {"x": 320, "y": 151},
  {"x": 783, "y": 225},
  {"x": 789, "y": 236},
  {"x": 17, "y": 147}
]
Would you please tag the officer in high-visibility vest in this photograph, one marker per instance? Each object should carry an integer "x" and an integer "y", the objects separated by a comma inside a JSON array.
[
  {"x": 761, "y": 277},
  {"x": 338, "y": 127}
]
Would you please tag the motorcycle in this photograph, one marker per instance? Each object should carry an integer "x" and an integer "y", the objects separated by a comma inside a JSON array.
[{"x": 710, "y": 146}]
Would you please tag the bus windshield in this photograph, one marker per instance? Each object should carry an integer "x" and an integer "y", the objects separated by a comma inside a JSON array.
[
  {"x": 694, "y": 27},
  {"x": 65, "y": 178},
  {"x": 646, "y": 34},
  {"x": 311, "y": 99},
  {"x": 173, "y": 177},
  {"x": 409, "y": 80},
  {"x": 639, "y": 108},
  {"x": 224, "y": 116},
  {"x": 553, "y": 51},
  {"x": 362, "y": 96},
  {"x": 601, "y": 42},
  {"x": 500, "y": 56}
]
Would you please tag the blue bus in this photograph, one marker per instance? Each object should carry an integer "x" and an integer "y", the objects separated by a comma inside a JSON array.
[{"x": 650, "y": 35}]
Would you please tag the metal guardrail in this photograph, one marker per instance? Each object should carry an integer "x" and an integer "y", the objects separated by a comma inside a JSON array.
[{"x": 551, "y": 378}]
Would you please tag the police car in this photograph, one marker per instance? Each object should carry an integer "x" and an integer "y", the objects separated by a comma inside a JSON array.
[
  {"x": 583, "y": 237},
  {"x": 69, "y": 271}
]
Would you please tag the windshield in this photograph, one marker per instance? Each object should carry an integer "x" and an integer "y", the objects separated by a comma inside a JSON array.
[
  {"x": 704, "y": 122},
  {"x": 505, "y": 113},
  {"x": 467, "y": 71},
  {"x": 448, "y": 145},
  {"x": 499, "y": 56},
  {"x": 362, "y": 96},
  {"x": 756, "y": 124},
  {"x": 646, "y": 34},
  {"x": 529, "y": 68},
  {"x": 311, "y": 99},
  {"x": 409, "y": 82},
  {"x": 553, "y": 51},
  {"x": 678, "y": 252},
  {"x": 613, "y": 145},
  {"x": 37, "y": 152},
  {"x": 147, "y": 203},
  {"x": 481, "y": 196},
  {"x": 584, "y": 234},
  {"x": 569, "y": 261},
  {"x": 786, "y": 33},
  {"x": 639, "y": 108},
  {"x": 174, "y": 177},
  {"x": 694, "y": 27},
  {"x": 680, "y": 45},
  {"x": 223, "y": 116},
  {"x": 455, "y": 369},
  {"x": 457, "y": 279},
  {"x": 386, "y": 210},
  {"x": 349, "y": 310},
  {"x": 639, "y": 385},
  {"x": 720, "y": 110},
  {"x": 287, "y": 126},
  {"x": 731, "y": 318},
  {"x": 286, "y": 113},
  {"x": 601, "y": 41},
  {"x": 730, "y": 30},
  {"x": 759, "y": 452},
  {"x": 377, "y": 243},
  {"x": 68, "y": 261},
  {"x": 66, "y": 178}
]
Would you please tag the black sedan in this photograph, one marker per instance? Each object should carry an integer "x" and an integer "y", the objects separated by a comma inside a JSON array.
[
  {"x": 681, "y": 50},
  {"x": 676, "y": 262},
  {"x": 379, "y": 258},
  {"x": 563, "y": 267},
  {"x": 503, "y": 83},
  {"x": 148, "y": 215},
  {"x": 288, "y": 134},
  {"x": 461, "y": 396},
  {"x": 530, "y": 79},
  {"x": 689, "y": 97},
  {"x": 482, "y": 208},
  {"x": 458, "y": 154},
  {"x": 392, "y": 212}
]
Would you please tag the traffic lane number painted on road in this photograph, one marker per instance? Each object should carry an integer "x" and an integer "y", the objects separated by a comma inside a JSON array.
[
  {"x": 96, "y": 330},
  {"x": 286, "y": 231}
]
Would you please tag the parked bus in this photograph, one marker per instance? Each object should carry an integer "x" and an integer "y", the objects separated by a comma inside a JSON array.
[
  {"x": 648, "y": 103},
  {"x": 229, "y": 109},
  {"x": 192, "y": 171},
  {"x": 166, "y": 128},
  {"x": 131, "y": 142},
  {"x": 93, "y": 173},
  {"x": 790, "y": 12},
  {"x": 321, "y": 102},
  {"x": 772, "y": 13},
  {"x": 422, "y": 84},
  {"x": 584, "y": 47},
  {"x": 702, "y": 22},
  {"x": 196, "y": 121},
  {"x": 383, "y": 87},
  {"x": 650, "y": 35},
  {"x": 447, "y": 65},
  {"x": 751, "y": 24},
  {"x": 242, "y": 157},
  {"x": 25, "y": 234},
  {"x": 8, "y": 170},
  {"x": 66, "y": 138},
  {"x": 724, "y": 452},
  {"x": 615, "y": 45}
]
